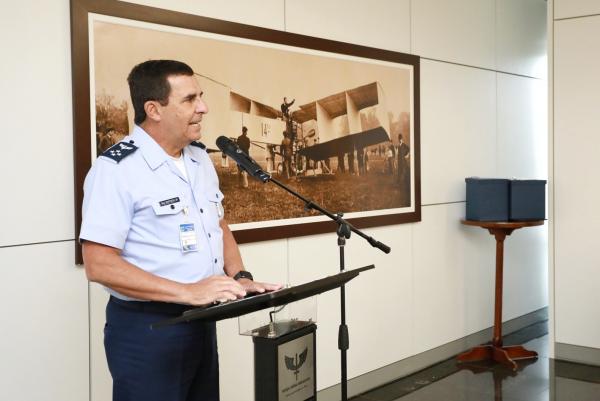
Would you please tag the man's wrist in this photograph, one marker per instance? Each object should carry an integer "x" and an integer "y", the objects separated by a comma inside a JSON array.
[{"x": 243, "y": 274}]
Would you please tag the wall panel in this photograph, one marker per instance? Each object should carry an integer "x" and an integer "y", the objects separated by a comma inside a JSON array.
[
  {"x": 383, "y": 24},
  {"x": 453, "y": 277},
  {"x": 36, "y": 156},
  {"x": 44, "y": 343},
  {"x": 577, "y": 191},
  {"x": 460, "y": 31},
  {"x": 521, "y": 37},
  {"x": 525, "y": 271},
  {"x": 522, "y": 144},
  {"x": 575, "y": 8},
  {"x": 378, "y": 302},
  {"x": 458, "y": 129}
]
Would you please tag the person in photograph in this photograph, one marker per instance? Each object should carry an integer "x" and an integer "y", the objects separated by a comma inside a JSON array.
[
  {"x": 286, "y": 153},
  {"x": 270, "y": 158},
  {"x": 403, "y": 164},
  {"x": 389, "y": 159},
  {"x": 285, "y": 108},
  {"x": 341, "y": 163},
  {"x": 289, "y": 123},
  {"x": 154, "y": 234},
  {"x": 243, "y": 143},
  {"x": 360, "y": 156}
]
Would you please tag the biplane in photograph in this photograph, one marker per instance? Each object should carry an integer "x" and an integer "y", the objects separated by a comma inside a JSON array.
[{"x": 345, "y": 123}]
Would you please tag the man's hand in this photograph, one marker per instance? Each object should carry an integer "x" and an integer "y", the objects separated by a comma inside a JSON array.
[
  {"x": 254, "y": 286},
  {"x": 213, "y": 289}
]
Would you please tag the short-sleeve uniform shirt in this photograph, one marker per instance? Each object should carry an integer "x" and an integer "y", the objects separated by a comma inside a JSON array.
[{"x": 139, "y": 204}]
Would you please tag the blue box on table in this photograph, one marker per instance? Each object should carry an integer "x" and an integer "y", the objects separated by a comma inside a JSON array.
[
  {"x": 487, "y": 199},
  {"x": 527, "y": 200}
]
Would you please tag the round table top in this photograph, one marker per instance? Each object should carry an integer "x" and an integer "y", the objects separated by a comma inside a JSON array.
[{"x": 503, "y": 224}]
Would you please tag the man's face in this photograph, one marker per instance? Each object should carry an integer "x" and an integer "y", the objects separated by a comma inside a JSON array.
[{"x": 181, "y": 117}]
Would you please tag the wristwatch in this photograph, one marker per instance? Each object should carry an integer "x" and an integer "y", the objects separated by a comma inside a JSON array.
[{"x": 243, "y": 274}]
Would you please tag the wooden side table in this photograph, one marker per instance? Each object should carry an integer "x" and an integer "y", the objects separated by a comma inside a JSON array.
[{"x": 496, "y": 351}]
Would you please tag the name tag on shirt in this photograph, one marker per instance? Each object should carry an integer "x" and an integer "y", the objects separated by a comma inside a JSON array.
[
  {"x": 187, "y": 237},
  {"x": 168, "y": 202}
]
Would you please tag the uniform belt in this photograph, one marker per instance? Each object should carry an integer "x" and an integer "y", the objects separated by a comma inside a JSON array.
[{"x": 152, "y": 306}]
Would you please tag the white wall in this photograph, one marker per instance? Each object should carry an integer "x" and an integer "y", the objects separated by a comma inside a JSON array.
[
  {"x": 481, "y": 87},
  {"x": 576, "y": 164},
  {"x": 43, "y": 296}
]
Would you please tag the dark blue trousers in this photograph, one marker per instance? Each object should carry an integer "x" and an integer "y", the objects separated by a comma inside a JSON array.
[{"x": 173, "y": 363}]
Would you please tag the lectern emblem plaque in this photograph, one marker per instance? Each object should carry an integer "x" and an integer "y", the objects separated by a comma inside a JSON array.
[{"x": 296, "y": 369}]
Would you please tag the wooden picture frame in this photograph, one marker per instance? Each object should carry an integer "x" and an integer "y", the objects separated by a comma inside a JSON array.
[{"x": 84, "y": 11}]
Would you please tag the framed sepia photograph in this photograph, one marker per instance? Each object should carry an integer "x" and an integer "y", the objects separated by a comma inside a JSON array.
[{"x": 336, "y": 122}]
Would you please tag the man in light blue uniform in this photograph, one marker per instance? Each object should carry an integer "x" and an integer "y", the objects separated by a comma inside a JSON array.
[{"x": 154, "y": 235}]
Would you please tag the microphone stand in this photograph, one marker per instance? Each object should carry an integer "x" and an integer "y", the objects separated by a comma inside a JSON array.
[{"x": 344, "y": 230}]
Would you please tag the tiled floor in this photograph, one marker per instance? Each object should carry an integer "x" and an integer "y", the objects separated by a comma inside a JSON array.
[{"x": 536, "y": 380}]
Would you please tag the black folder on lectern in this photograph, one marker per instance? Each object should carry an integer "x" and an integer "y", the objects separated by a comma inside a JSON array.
[{"x": 255, "y": 302}]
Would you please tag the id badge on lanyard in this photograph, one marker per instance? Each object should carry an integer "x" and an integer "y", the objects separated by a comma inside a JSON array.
[{"x": 187, "y": 234}]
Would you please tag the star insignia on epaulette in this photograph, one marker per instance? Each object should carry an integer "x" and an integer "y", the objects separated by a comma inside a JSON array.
[
  {"x": 119, "y": 151},
  {"x": 198, "y": 145}
]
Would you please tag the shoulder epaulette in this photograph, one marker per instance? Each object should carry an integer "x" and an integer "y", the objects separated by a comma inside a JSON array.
[
  {"x": 198, "y": 145},
  {"x": 119, "y": 151}
]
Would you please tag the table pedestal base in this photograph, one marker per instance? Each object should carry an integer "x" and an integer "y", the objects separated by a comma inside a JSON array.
[{"x": 504, "y": 355}]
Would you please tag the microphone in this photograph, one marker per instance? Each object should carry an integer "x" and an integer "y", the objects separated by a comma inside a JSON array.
[{"x": 242, "y": 159}]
